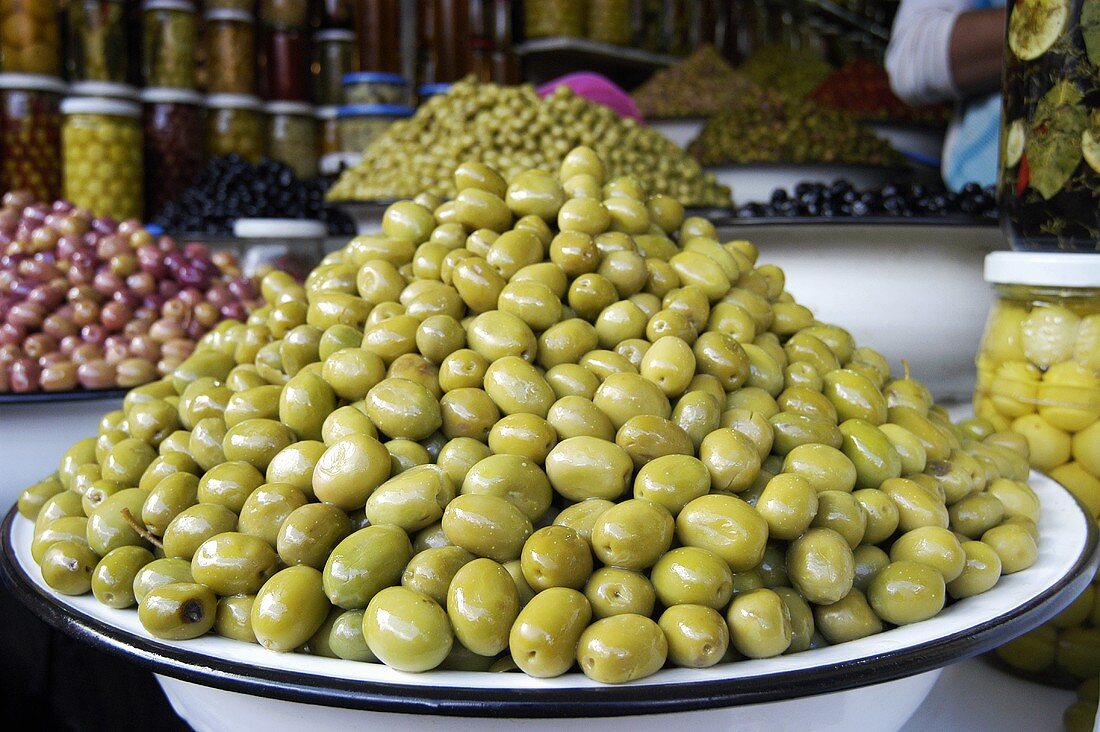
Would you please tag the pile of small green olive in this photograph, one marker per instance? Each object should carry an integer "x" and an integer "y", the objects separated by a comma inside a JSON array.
[
  {"x": 550, "y": 423},
  {"x": 512, "y": 130}
]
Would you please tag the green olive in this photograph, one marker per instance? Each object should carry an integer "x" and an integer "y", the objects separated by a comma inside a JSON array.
[
  {"x": 759, "y": 624},
  {"x": 406, "y": 630},
  {"x": 482, "y": 604},
  {"x": 364, "y": 563},
  {"x": 544, "y": 638},
  {"x": 847, "y": 619},
  {"x": 821, "y": 566},
  {"x": 725, "y": 525},
  {"x": 289, "y": 608},
  {"x": 906, "y": 592},
  {"x": 178, "y": 611}
]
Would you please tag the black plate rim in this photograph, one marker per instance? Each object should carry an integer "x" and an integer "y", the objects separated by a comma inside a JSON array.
[
  {"x": 870, "y": 221},
  {"x": 903, "y": 170},
  {"x": 53, "y": 397},
  {"x": 607, "y": 701}
]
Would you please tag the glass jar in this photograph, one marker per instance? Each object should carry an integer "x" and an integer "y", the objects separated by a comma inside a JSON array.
[
  {"x": 101, "y": 156},
  {"x": 168, "y": 57},
  {"x": 336, "y": 14},
  {"x": 1039, "y": 375},
  {"x": 378, "y": 31},
  {"x": 374, "y": 87},
  {"x": 609, "y": 21},
  {"x": 285, "y": 13},
  {"x": 1049, "y": 183},
  {"x": 328, "y": 131},
  {"x": 108, "y": 89},
  {"x": 230, "y": 52},
  {"x": 174, "y": 144},
  {"x": 31, "y": 38},
  {"x": 427, "y": 91},
  {"x": 361, "y": 124},
  {"x": 234, "y": 125},
  {"x": 553, "y": 18},
  {"x": 98, "y": 44},
  {"x": 292, "y": 136},
  {"x": 286, "y": 64},
  {"x": 335, "y": 52},
  {"x": 30, "y": 134},
  {"x": 291, "y": 245},
  {"x": 242, "y": 6}
]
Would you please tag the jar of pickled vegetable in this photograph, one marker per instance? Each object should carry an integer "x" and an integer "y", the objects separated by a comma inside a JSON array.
[
  {"x": 335, "y": 53},
  {"x": 168, "y": 56},
  {"x": 1049, "y": 183},
  {"x": 328, "y": 130},
  {"x": 31, "y": 39},
  {"x": 234, "y": 124},
  {"x": 609, "y": 21},
  {"x": 230, "y": 52},
  {"x": 361, "y": 124},
  {"x": 30, "y": 134},
  {"x": 553, "y": 18},
  {"x": 375, "y": 87},
  {"x": 98, "y": 44},
  {"x": 101, "y": 156},
  {"x": 1039, "y": 375},
  {"x": 292, "y": 136},
  {"x": 174, "y": 144}
]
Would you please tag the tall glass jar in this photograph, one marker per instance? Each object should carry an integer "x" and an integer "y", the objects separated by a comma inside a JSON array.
[
  {"x": 175, "y": 144},
  {"x": 285, "y": 13},
  {"x": 378, "y": 31},
  {"x": 328, "y": 131},
  {"x": 101, "y": 156},
  {"x": 554, "y": 18},
  {"x": 1049, "y": 183},
  {"x": 168, "y": 51},
  {"x": 30, "y": 134},
  {"x": 335, "y": 54},
  {"x": 292, "y": 136},
  {"x": 285, "y": 52},
  {"x": 336, "y": 14},
  {"x": 230, "y": 52},
  {"x": 31, "y": 38},
  {"x": 1039, "y": 375},
  {"x": 98, "y": 44},
  {"x": 234, "y": 124}
]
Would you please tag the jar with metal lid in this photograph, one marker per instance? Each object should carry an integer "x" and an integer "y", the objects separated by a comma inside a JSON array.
[
  {"x": 98, "y": 44},
  {"x": 1049, "y": 182},
  {"x": 335, "y": 53},
  {"x": 375, "y": 87},
  {"x": 1039, "y": 376},
  {"x": 426, "y": 91},
  {"x": 292, "y": 136},
  {"x": 101, "y": 156},
  {"x": 328, "y": 131},
  {"x": 554, "y": 18},
  {"x": 174, "y": 144},
  {"x": 361, "y": 124},
  {"x": 291, "y": 245},
  {"x": 230, "y": 52},
  {"x": 30, "y": 134},
  {"x": 285, "y": 13},
  {"x": 168, "y": 55},
  {"x": 335, "y": 13},
  {"x": 234, "y": 125},
  {"x": 31, "y": 38},
  {"x": 105, "y": 89},
  {"x": 609, "y": 21}
]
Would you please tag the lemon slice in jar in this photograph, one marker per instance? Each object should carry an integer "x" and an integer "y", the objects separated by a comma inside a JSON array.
[
  {"x": 1035, "y": 25},
  {"x": 1014, "y": 143}
]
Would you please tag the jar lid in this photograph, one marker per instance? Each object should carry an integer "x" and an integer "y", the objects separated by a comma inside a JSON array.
[
  {"x": 170, "y": 95},
  {"x": 103, "y": 89},
  {"x": 327, "y": 112},
  {"x": 376, "y": 110},
  {"x": 33, "y": 82},
  {"x": 282, "y": 107},
  {"x": 334, "y": 34},
  {"x": 380, "y": 77},
  {"x": 100, "y": 105},
  {"x": 233, "y": 101},
  {"x": 333, "y": 163},
  {"x": 279, "y": 229},
  {"x": 185, "y": 6},
  {"x": 240, "y": 16},
  {"x": 427, "y": 90},
  {"x": 1051, "y": 269}
]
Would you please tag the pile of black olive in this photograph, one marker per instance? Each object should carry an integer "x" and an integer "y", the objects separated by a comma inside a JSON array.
[{"x": 842, "y": 199}]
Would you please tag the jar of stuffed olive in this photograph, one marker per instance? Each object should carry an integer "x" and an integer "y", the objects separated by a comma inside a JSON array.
[
  {"x": 335, "y": 53},
  {"x": 30, "y": 134},
  {"x": 609, "y": 21},
  {"x": 98, "y": 44},
  {"x": 31, "y": 39},
  {"x": 554, "y": 18},
  {"x": 1049, "y": 183},
  {"x": 328, "y": 131},
  {"x": 168, "y": 55},
  {"x": 234, "y": 125},
  {"x": 101, "y": 156},
  {"x": 174, "y": 144},
  {"x": 1039, "y": 375},
  {"x": 230, "y": 52},
  {"x": 292, "y": 136}
]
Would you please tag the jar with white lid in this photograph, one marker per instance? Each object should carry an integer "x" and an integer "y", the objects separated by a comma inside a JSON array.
[
  {"x": 168, "y": 52},
  {"x": 234, "y": 124},
  {"x": 174, "y": 121},
  {"x": 230, "y": 52},
  {"x": 101, "y": 153},
  {"x": 292, "y": 136},
  {"x": 291, "y": 245}
]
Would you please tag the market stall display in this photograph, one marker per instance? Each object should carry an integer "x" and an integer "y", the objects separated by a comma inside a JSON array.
[
  {"x": 862, "y": 88},
  {"x": 168, "y": 50},
  {"x": 101, "y": 156},
  {"x": 175, "y": 143},
  {"x": 701, "y": 85},
  {"x": 792, "y": 72},
  {"x": 841, "y": 200}
]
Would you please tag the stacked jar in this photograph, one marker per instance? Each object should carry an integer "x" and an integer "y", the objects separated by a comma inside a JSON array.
[
  {"x": 30, "y": 134},
  {"x": 98, "y": 44},
  {"x": 285, "y": 58},
  {"x": 230, "y": 52},
  {"x": 554, "y": 18},
  {"x": 168, "y": 56},
  {"x": 234, "y": 125},
  {"x": 362, "y": 124},
  {"x": 335, "y": 55},
  {"x": 292, "y": 136},
  {"x": 101, "y": 156},
  {"x": 375, "y": 87},
  {"x": 328, "y": 131},
  {"x": 174, "y": 144},
  {"x": 31, "y": 39}
]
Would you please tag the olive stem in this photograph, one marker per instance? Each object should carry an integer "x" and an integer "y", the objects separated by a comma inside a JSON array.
[{"x": 144, "y": 532}]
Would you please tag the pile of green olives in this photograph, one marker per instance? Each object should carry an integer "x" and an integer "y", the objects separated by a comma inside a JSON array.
[
  {"x": 550, "y": 424},
  {"x": 512, "y": 129}
]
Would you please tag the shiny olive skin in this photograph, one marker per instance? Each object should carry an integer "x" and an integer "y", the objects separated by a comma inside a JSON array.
[
  {"x": 672, "y": 481},
  {"x": 406, "y": 630},
  {"x": 732, "y": 459},
  {"x": 364, "y": 563},
  {"x": 632, "y": 534},
  {"x": 842, "y": 512},
  {"x": 614, "y": 591},
  {"x": 801, "y": 617},
  {"x": 556, "y": 556},
  {"x": 789, "y": 504},
  {"x": 932, "y": 546},
  {"x": 112, "y": 581},
  {"x": 759, "y": 624},
  {"x": 289, "y": 608},
  {"x": 692, "y": 576},
  {"x": 345, "y": 637},
  {"x": 233, "y": 618},
  {"x": 67, "y": 566},
  {"x": 233, "y": 563},
  {"x": 403, "y": 409},
  {"x": 412, "y": 500},
  {"x": 308, "y": 534},
  {"x": 906, "y": 592},
  {"x": 621, "y": 648},
  {"x": 431, "y": 570},
  {"x": 34, "y": 497},
  {"x": 587, "y": 467},
  {"x": 109, "y": 527},
  {"x": 487, "y": 526},
  {"x": 482, "y": 603},
  {"x": 697, "y": 636},
  {"x": 267, "y": 508},
  {"x": 872, "y": 454},
  {"x": 178, "y": 611},
  {"x": 582, "y": 516},
  {"x": 159, "y": 572},
  {"x": 881, "y": 512},
  {"x": 294, "y": 465},
  {"x": 229, "y": 484},
  {"x": 349, "y": 470},
  {"x": 825, "y": 467},
  {"x": 256, "y": 441},
  {"x": 981, "y": 571},
  {"x": 821, "y": 566},
  {"x": 916, "y": 507},
  {"x": 725, "y": 525},
  {"x": 847, "y": 619},
  {"x": 1016, "y": 547},
  {"x": 543, "y": 640}
]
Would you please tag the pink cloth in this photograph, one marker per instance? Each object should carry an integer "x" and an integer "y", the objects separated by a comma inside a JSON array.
[{"x": 596, "y": 88}]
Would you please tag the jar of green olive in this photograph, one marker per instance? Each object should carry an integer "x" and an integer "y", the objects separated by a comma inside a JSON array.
[
  {"x": 234, "y": 124},
  {"x": 101, "y": 156},
  {"x": 168, "y": 54},
  {"x": 1039, "y": 376},
  {"x": 361, "y": 124},
  {"x": 30, "y": 134},
  {"x": 31, "y": 38},
  {"x": 292, "y": 136},
  {"x": 97, "y": 47},
  {"x": 230, "y": 52},
  {"x": 334, "y": 50}
]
